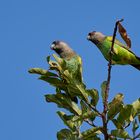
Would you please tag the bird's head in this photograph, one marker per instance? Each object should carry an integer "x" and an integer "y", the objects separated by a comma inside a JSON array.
[
  {"x": 62, "y": 49},
  {"x": 96, "y": 37},
  {"x": 58, "y": 46}
]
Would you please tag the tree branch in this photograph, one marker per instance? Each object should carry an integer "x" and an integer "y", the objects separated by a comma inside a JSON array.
[
  {"x": 105, "y": 103},
  {"x": 94, "y": 109},
  {"x": 90, "y": 123}
]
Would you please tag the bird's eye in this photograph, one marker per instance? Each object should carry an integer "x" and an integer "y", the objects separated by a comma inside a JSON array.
[
  {"x": 55, "y": 42},
  {"x": 89, "y": 34},
  {"x": 92, "y": 33}
]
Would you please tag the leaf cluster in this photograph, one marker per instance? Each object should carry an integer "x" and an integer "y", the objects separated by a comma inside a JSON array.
[{"x": 67, "y": 88}]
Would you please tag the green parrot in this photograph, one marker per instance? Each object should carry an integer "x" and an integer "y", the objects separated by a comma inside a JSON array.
[
  {"x": 122, "y": 55},
  {"x": 73, "y": 61}
]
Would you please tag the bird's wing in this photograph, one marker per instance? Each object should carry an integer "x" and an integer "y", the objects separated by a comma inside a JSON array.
[{"x": 110, "y": 38}]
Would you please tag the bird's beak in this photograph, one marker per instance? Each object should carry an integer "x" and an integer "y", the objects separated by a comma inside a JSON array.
[
  {"x": 52, "y": 46},
  {"x": 88, "y": 37},
  {"x": 91, "y": 35}
]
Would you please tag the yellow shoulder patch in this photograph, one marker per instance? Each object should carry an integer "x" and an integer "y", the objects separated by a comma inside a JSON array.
[
  {"x": 110, "y": 38},
  {"x": 79, "y": 59}
]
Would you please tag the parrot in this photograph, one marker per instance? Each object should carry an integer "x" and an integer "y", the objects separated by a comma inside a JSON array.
[
  {"x": 121, "y": 54},
  {"x": 72, "y": 59}
]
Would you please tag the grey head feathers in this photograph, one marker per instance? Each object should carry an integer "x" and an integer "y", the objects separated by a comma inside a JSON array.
[
  {"x": 96, "y": 37},
  {"x": 63, "y": 49}
]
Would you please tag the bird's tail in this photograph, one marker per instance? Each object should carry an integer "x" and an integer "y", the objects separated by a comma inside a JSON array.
[{"x": 136, "y": 66}]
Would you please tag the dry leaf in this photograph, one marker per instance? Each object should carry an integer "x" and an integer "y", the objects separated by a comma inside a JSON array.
[{"x": 124, "y": 35}]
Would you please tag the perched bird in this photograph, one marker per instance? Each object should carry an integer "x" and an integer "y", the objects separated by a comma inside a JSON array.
[
  {"x": 121, "y": 53},
  {"x": 73, "y": 61}
]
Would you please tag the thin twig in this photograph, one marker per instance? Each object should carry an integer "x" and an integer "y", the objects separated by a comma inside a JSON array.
[
  {"x": 90, "y": 122},
  {"x": 126, "y": 126},
  {"x": 105, "y": 103},
  {"x": 110, "y": 66},
  {"x": 94, "y": 109}
]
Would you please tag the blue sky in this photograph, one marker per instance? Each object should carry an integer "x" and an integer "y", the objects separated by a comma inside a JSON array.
[{"x": 27, "y": 28}]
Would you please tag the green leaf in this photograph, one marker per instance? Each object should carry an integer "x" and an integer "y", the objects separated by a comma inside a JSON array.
[
  {"x": 115, "y": 106},
  {"x": 66, "y": 120},
  {"x": 66, "y": 134},
  {"x": 51, "y": 98},
  {"x": 89, "y": 115},
  {"x": 117, "y": 124},
  {"x": 77, "y": 121},
  {"x": 103, "y": 89},
  {"x": 37, "y": 71},
  {"x": 83, "y": 91},
  {"x": 84, "y": 107},
  {"x": 42, "y": 72},
  {"x": 136, "y": 106},
  {"x": 90, "y": 133},
  {"x": 54, "y": 65},
  {"x": 64, "y": 101},
  {"x": 74, "y": 107},
  {"x": 94, "y": 95},
  {"x": 70, "y": 104},
  {"x": 74, "y": 87},
  {"x": 53, "y": 81},
  {"x": 59, "y": 99},
  {"x": 68, "y": 77},
  {"x": 59, "y": 60},
  {"x": 63, "y": 134},
  {"x": 48, "y": 58},
  {"x": 74, "y": 91},
  {"x": 120, "y": 134},
  {"x": 125, "y": 114},
  {"x": 71, "y": 121}
]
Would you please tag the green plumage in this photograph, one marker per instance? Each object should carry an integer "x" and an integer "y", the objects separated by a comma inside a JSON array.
[
  {"x": 122, "y": 54},
  {"x": 73, "y": 65}
]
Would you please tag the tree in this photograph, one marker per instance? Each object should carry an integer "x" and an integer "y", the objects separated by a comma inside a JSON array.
[{"x": 116, "y": 112}]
